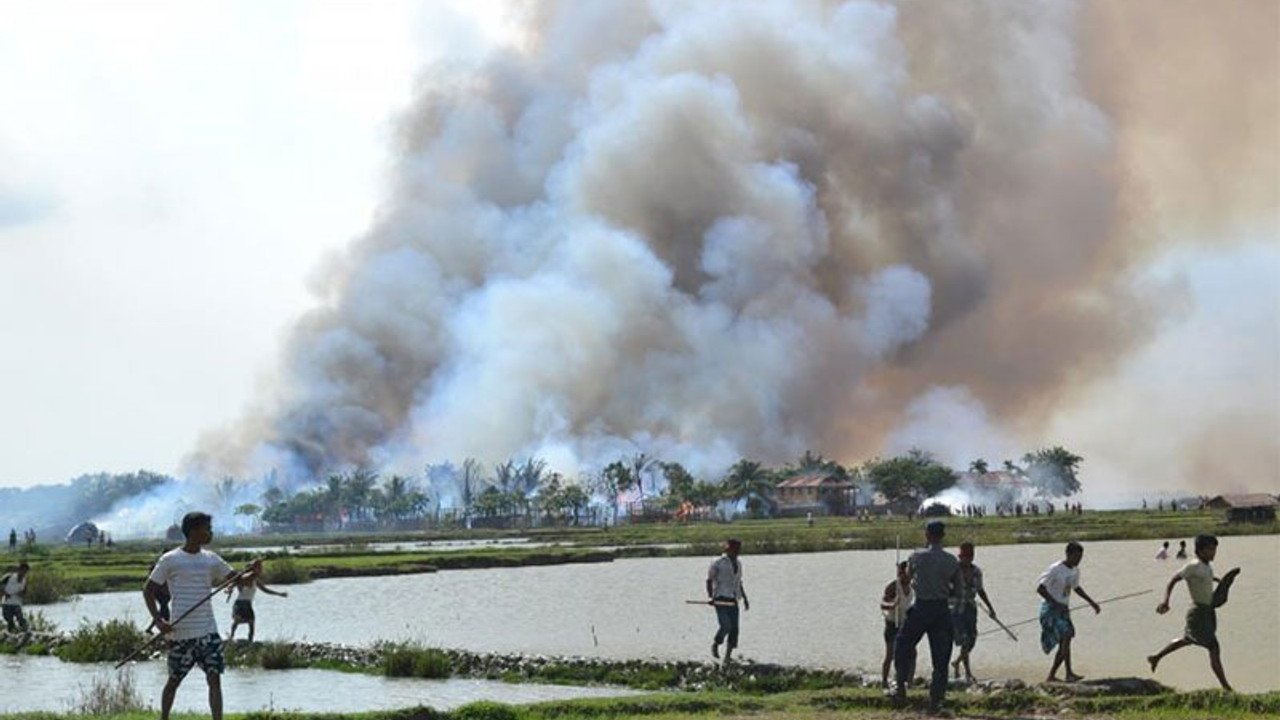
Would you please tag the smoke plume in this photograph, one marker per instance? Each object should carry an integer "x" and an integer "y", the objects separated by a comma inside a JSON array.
[{"x": 722, "y": 229}]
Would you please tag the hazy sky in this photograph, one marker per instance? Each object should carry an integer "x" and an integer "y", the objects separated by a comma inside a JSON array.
[
  {"x": 176, "y": 178},
  {"x": 169, "y": 175}
]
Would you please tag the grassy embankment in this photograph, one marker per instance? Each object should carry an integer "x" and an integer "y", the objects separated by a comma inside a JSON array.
[
  {"x": 61, "y": 571},
  {"x": 838, "y": 704}
]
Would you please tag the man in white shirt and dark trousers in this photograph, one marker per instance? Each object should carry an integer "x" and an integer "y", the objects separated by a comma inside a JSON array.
[
  {"x": 13, "y": 589},
  {"x": 724, "y": 588},
  {"x": 191, "y": 572},
  {"x": 936, "y": 582}
]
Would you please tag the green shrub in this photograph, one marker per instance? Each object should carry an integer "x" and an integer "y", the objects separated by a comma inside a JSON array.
[
  {"x": 47, "y": 585},
  {"x": 37, "y": 622},
  {"x": 284, "y": 571},
  {"x": 102, "y": 641},
  {"x": 276, "y": 656},
  {"x": 485, "y": 710}
]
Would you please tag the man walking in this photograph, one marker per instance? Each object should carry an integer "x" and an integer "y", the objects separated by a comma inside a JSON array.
[
  {"x": 724, "y": 588},
  {"x": 1056, "y": 628},
  {"x": 935, "y": 581}
]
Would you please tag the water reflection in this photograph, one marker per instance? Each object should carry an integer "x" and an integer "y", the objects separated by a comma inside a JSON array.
[
  {"x": 29, "y": 684},
  {"x": 818, "y": 610}
]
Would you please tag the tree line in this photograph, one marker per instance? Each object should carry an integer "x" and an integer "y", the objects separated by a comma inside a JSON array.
[{"x": 528, "y": 488}]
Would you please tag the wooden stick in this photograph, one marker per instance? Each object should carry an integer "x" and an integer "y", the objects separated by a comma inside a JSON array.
[
  {"x": 1003, "y": 627},
  {"x": 1037, "y": 617},
  {"x": 220, "y": 587}
]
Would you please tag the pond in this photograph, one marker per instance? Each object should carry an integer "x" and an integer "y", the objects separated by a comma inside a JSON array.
[
  {"x": 816, "y": 610},
  {"x": 30, "y": 684}
]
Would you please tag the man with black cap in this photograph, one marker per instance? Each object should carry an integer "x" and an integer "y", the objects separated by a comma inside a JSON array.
[
  {"x": 724, "y": 588},
  {"x": 935, "y": 581}
]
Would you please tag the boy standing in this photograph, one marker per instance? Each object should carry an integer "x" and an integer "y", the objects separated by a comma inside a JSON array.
[
  {"x": 1056, "y": 628},
  {"x": 897, "y": 598},
  {"x": 964, "y": 617},
  {"x": 1202, "y": 620},
  {"x": 724, "y": 588},
  {"x": 13, "y": 588},
  {"x": 190, "y": 572}
]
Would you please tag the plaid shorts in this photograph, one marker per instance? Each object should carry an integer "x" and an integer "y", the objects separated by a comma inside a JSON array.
[{"x": 203, "y": 651}]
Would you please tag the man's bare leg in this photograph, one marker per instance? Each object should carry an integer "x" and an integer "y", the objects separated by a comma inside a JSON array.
[
  {"x": 215, "y": 695},
  {"x": 166, "y": 697},
  {"x": 1215, "y": 662},
  {"x": 1177, "y": 644}
]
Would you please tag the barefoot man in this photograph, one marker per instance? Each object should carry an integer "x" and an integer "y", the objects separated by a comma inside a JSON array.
[
  {"x": 964, "y": 615},
  {"x": 1056, "y": 629},
  {"x": 1202, "y": 621}
]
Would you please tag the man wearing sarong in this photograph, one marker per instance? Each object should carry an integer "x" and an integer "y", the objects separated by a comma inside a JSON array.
[
  {"x": 724, "y": 588},
  {"x": 1056, "y": 629},
  {"x": 964, "y": 615},
  {"x": 935, "y": 580},
  {"x": 1202, "y": 621}
]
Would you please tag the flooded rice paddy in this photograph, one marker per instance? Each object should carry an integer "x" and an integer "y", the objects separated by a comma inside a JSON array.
[{"x": 816, "y": 610}]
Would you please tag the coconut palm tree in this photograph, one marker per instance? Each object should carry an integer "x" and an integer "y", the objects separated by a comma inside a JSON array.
[{"x": 748, "y": 480}]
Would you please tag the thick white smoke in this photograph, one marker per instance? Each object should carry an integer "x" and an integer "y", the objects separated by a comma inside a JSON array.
[{"x": 720, "y": 229}]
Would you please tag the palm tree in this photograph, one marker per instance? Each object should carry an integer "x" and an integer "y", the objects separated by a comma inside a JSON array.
[
  {"x": 748, "y": 480},
  {"x": 640, "y": 464}
]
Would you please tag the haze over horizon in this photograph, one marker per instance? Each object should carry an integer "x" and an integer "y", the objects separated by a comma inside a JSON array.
[{"x": 701, "y": 231}]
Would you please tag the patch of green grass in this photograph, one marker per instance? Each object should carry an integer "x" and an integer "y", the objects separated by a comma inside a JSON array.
[{"x": 408, "y": 660}]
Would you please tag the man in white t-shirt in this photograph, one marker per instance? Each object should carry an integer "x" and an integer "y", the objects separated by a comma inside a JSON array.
[
  {"x": 1202, "y": 621},
  {"x": 14, "y": 587},
  {"x": 1056, "y": 629},
  {"x": 191, "y": 572},
  {"x": 724, "y": 589}
]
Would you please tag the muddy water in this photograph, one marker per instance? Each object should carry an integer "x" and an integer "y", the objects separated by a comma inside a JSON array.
[{"x": 817, "y": 610}]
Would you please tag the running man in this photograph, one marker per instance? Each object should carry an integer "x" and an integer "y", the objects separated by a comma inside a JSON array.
[
  {"x": 1202, "y": 620},
  {"x": 242, "y": 610},
  {"x": 964, "y": 616},
  {"x": 1056, "y": 628},
  {"x": 191, "y": 572},
  {"x": 724, "y": 588},
  {"x": 897, "y": 598},
  {"x": 936, "y": 581},
  {"x": 13, "y": 588}
]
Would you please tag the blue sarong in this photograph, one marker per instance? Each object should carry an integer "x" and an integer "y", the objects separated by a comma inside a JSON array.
[{"x": 1054, "y": 625}]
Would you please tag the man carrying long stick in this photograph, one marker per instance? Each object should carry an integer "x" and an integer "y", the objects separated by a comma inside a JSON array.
[
  {"x": 190, "y": 571},
  {"x": 724, "y": 588}
]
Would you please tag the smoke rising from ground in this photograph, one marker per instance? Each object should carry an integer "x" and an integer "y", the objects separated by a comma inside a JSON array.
[{"x": 724, "y": 229}]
